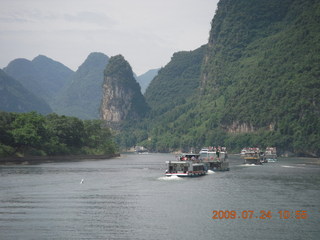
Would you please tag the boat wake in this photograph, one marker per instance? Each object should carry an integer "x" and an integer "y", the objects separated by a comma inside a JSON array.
[
  {"x": 210, "y": 172},
  {"x": 172, "y": 178},
  {"x": 249, "y": 165},
  {"x": 300, "y": 166}
]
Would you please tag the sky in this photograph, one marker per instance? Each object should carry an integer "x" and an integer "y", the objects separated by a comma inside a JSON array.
[{"x": 145, "y": 32}]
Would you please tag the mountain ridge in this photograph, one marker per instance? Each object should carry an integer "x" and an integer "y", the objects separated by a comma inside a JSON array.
[
  {"x": 14, "y": 97},
  {"x": 42, "y": 76}
]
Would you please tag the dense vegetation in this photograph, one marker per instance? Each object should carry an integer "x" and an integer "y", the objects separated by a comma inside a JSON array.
[
  {"x": 23, "y": 134},
  {"x": 176, "y": 82},
  {"x": 167, "y": 95},
  {"x": 268, "y": 73},
  {"x": 258, "y": 85}
]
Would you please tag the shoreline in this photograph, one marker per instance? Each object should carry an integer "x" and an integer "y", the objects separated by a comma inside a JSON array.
[
  {"x": 301, "y": 160},
  {"x": 53, "y": 159}
]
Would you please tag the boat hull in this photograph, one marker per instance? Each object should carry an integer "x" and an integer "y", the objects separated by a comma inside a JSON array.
[
  {"x": 272, "y": 160},
  {"x": 252, "y": 161},
  {"x": 190, "y": 174},
  {"x": 217, "y": 166}
]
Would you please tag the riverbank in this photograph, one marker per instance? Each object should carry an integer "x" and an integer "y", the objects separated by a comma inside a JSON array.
[{"x": 51, "y": 159}]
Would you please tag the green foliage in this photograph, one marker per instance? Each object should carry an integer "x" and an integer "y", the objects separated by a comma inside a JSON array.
[
  {"x": 34, "y": 134},
  {"x": 259, "y": 83},
  {"x": 69, "y": 130},
  {"x": 176, "y": 82},
  {"x": 28, "y": 130},
  {"x": 120, "y": 69},
  {"x": 98, "y": 138}
]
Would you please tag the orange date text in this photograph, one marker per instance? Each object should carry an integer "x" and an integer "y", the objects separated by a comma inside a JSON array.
[{"x": 262, "y": 214}]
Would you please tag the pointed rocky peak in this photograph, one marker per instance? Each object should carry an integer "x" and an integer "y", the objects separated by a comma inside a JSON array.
[
  {"x": 122, "y": 98},
  {"x": 118, "y": 67}
]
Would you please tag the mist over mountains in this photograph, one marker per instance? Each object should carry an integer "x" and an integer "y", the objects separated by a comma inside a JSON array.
[
  {"x": 14, "y": 97},
  {"x": 62, "y": 90},
  {"x": 42, "y": 76},
  {"x": 82, "y": 96}
]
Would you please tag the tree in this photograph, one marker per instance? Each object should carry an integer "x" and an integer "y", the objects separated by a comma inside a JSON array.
[{"x": 28, "y": 131}]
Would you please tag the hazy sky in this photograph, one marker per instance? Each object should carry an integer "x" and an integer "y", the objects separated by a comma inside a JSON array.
[{"x": 145, "y": 32}]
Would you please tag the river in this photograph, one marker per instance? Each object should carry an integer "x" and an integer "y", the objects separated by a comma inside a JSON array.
[{"x": 129, "y": 198}]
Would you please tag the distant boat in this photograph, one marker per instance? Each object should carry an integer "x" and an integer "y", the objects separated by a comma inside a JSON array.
[
  {"x": 141, "y": 150},
  {"x": 187, "y": 165},
  {"x": 271, "y": 154},
  {"x": 215, "y": 158},
  {"x": 243, "y": 152},
  {"x": 252, "y": 156}
]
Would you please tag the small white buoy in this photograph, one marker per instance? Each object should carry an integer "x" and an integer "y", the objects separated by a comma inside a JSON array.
[{"x": 81, "y": 181}]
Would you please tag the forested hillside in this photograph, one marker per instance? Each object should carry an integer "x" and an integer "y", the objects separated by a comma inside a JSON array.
[
  {"x": 176, "y": 82},
  {"x": 263, "y": 64},
  {"x": 259, "y": 83}
]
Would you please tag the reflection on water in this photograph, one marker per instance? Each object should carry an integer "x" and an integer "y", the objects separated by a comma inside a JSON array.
[{"x": 130, "y": 198}]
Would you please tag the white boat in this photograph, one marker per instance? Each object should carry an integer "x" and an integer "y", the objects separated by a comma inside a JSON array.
[
  {"x": 215, "y": 159},
  {"x": 187, "y": 165},
  {"x": 141, "y": 150},
  {"x": 243, "y": 152},
  {"x": 252, "y": 156},
  {"x": 271, "y": 154}
]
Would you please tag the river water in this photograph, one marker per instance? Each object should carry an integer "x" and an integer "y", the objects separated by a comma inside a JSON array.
[{"x": 129, "y": 198}]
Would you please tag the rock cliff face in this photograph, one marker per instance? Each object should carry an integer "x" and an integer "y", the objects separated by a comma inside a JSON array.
[{"x": 122, "y": 98}]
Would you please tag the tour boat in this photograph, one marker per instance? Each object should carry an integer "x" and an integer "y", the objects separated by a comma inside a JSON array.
[
  {"x": 215, "y": 158},
  {"x": 187, "y": 165},
  {"x": 253, "y": 156},
  {"x": 271, "y": 154},
  {"x": 141, "y": 150}
]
